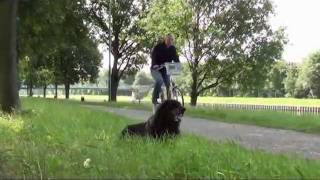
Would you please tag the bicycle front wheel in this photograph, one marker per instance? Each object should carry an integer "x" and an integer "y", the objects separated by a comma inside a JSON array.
[{"x": 177, "y": 95}]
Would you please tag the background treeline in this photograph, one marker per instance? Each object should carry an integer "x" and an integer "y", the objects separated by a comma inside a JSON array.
[{"x": 282, "y": 79}]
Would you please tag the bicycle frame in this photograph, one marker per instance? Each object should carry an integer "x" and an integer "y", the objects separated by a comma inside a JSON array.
[{"x": 174, "y": 91}]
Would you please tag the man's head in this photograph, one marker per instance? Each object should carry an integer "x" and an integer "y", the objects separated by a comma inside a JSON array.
[{"x": 169, "y": 40}]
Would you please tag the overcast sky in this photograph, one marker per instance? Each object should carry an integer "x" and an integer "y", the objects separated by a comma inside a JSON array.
[{"x": 301, "y": 19}]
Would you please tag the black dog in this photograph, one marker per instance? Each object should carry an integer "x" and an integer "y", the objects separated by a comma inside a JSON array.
[{"x": 165, "y": 122}]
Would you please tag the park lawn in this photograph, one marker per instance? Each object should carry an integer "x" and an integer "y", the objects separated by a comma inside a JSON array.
[
  {"x": 271, "y": 119},
  {"x": 212, "y": 99},
  {"x": 55, "y": 139},
  {"x": 259, "y": 101},
  {"x": 91, "y": 98}
]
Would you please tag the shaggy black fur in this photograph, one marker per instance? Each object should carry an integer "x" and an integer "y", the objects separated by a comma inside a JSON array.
[{"x": 165, "y": 122}]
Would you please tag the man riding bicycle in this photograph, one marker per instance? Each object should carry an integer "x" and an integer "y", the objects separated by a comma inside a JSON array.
[{"x": 163, "y": 52}]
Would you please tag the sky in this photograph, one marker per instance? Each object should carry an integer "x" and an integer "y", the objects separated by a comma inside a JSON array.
[{"x": 301, "y": 20}]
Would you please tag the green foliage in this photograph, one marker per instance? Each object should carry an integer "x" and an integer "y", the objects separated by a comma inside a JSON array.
[
  {"x": 39, "y": 26},
  {"x": 309, "y": 79},
  {"x": 44, "y": 77},
  {"x": 24, "y": 69},
  {"x": 158, "y": 22},
  {"x": 276, "y": 76},
  {"x": 291, "y": 79},
  {"x": 55, "y": 36},
  {"x": 313, "y": 74}
]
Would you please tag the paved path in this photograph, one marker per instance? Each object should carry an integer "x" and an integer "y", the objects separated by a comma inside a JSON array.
[{"x": 254, "y": 137}]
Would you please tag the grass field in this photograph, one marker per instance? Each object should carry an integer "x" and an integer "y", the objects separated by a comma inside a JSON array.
[
  {"x": 218, "y": 100},
  {"x": 259, "y": 101},
  {"x": 61, "y": 139},
  {"x": 92, "y": 98}
]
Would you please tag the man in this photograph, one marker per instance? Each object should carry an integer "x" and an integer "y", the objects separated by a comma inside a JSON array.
[{"x": 163, "y": 52}]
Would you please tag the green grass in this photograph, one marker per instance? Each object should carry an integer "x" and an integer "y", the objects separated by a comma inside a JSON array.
[
  {"x": 218, "y": 100},
  {"x": 259, "y": 101},
  {"x": 90, "y": 98},
  {"x": 272, "y": 119},
  {"x": 53, "y": 139}
]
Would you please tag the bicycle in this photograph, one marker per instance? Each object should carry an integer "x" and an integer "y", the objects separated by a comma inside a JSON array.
[{"x": 173, "y": 69}]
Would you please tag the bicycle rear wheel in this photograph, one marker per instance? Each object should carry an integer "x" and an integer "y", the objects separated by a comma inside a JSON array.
[{"x": 177, "y": 95}]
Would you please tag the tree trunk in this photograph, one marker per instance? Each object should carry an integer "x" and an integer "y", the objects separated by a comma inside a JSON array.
[
  {"x": 56, "y": 90},
  {"x": 67, "y": 89},
  {"x": 9, "y": 95},
  {"x": 194, "y": 98},
  {"x": 30, "y": 93},
  {"x": 194, "y": 90},
  {"x": 114, "y": 87},
  {"x": 114, "y": 80},
  {"x": 44, "y": 91}
]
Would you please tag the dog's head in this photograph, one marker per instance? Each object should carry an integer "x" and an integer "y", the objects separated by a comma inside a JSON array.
[
  {"x": 167, "y": 119},
  {"x": 172, "y": 109},
  {"x": 177, "y": 113}
]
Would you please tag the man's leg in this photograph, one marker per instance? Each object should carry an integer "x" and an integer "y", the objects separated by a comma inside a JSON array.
[
  {"x": 166, "y": 80},
  {"x": 157, "y": 86}
]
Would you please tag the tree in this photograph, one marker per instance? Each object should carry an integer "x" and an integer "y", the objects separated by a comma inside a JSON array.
[
  {"x": 291, "y": 79},
  {"x": 55, "y": 36},
  {"x": 39, "y": 33},
  {"x": 125, "y": 45},
  {"x": 44, "y": 78},
  {"x": 61, "y": 44},
  {"x": 224, "y": 39},
  {"x": 26, "y": 75},
  {"x": 9, "y": 98},
  {"x": 77, "y": 63},
  {"x": 308, "y": 81},
  {"x": 276, "y": 78}
]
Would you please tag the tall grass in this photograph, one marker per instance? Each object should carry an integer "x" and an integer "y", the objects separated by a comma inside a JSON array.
[{"x": 60, "y": 139}]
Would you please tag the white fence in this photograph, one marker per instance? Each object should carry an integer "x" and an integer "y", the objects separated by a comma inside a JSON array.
[{"x": 294, "y": 109}]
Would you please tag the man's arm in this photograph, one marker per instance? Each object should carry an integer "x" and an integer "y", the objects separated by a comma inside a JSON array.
[
  {"x": 155, "y": 55},
  {"x": 174, "y": 54}
]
